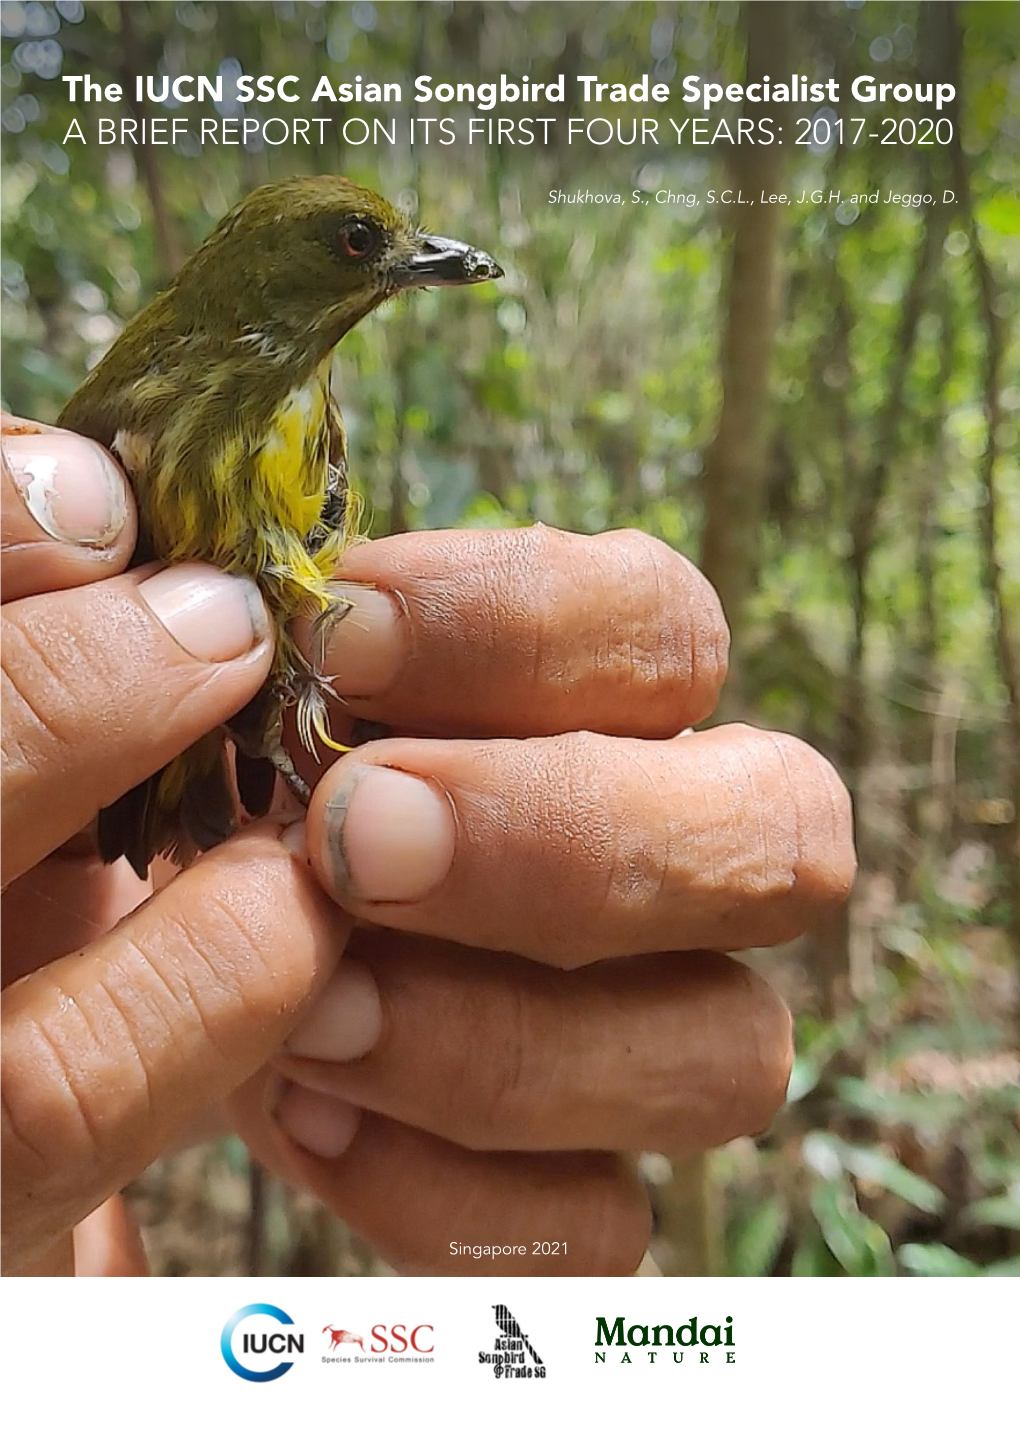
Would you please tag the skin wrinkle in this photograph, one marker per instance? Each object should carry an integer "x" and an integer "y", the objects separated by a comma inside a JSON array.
[
  {"x": 695, "y": 655},
  {"x": 650, "y": 644},
  {"x": 70, "y": 648},
  {"x": 463, "y": 1080},
  {"x": 102, "y": 1043},
  {"x": 711, "y": 850},
  {"x": 187, "y": 1000},
  {"x": 20, "y": 1137},
  {"x": 659, "y": 610},
  {"x": 571, "y": 778},
  {"x": 67, "y": 1086},
  {"x": 256, "y": 983},
  {"x": 831, "y": 793},
  {"x": 15, "y": 757},
  {"x": 558, "y": 1052},
  {"x": 221, "y": 955},
  {"x": 33, "y": 758},
  {"x": 540, "y": 647},
  {"x": 136, "y": 1051},
  {"x": 513, "y": 1073},
  {"x": 661, "y": 847},
  {"x": 761, "y": 857},
  {"x": 798, "y": 840}
]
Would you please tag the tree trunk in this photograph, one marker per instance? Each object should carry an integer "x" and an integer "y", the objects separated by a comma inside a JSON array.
[
  {"x": 171, "y": 256},
  {"x": 1004, "y": 638},
  {"x": 734, "y": 488},
  {"x": 736, "y": 462}
]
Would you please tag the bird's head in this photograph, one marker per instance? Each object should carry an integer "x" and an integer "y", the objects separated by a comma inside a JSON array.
[{"x": 299, "y": 262}]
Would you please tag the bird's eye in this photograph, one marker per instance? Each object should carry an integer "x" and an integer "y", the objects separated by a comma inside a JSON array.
[{"x": 358, "y": 239}]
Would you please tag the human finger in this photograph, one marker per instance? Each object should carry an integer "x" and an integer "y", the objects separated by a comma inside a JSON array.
[
  {"x": 106, "y": 683},
  {"x": 67, "y": 512},
  {"x": 110, "y": 1052},
  {"x": 67, "y": 901},
  {"x": 526, "y": 633},
  {"x": 671, "y": 1053},
  {"x": 428, "y": 1206},
  {"x": 108, "y": 1243},
  {"x": 575, "y": 848}
]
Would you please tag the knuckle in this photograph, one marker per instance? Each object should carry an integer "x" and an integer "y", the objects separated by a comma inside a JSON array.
[
  {"x": 826, "y": 863},
  {"x": 676, "y": 643},
  {"x": 561, "y": 806},
  {"x": 595, "y": 806},
  {"x": 800, "y": 864}
]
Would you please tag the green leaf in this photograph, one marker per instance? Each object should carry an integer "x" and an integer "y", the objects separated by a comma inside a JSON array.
[
  {"x": 1001, "y": 1211},
  {"x": 859, "y": 1244},
  {"x": 756, "y": 1241},
  {"x": 1000, "y": 213},
  {"x": 821, "y": 1152},
  {"x": 932, "y": 1111},
  {"x": 933, "y": 1259},
  {"x": 803, "y": 1079},
  {"x": 871, "y": 1164},
  {"x": 812, "y": 1258}
]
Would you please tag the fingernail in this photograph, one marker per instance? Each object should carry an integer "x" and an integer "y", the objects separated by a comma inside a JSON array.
[
  {"x": 389, "y": 836},
  {"x": 215, "y": 617},
  {"x": 70, "y": 487},
  {"x": 366, "y": 647},
  {"x": 346, "y": 1020},
  {"x": 322, "y": 1125}
]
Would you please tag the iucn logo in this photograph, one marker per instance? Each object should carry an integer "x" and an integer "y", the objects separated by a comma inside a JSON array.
[
  {"x": 259, "y": 1340},
  {"x": 705, "y": 1337}
]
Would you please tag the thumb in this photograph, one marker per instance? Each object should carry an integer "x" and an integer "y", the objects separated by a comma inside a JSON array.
[
  {"x": 109, "y": 1052},
  {"x": 106, "y": 683}
]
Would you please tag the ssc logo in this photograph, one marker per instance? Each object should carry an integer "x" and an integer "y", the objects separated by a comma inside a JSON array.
[{"x": 257, "y": 1341}]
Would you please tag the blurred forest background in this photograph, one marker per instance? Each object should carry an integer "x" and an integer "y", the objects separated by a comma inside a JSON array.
[{"x": 821, "y": 403}]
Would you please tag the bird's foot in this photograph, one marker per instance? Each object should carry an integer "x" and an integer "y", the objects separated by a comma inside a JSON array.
[
  {"x": 321, "y": 630},
  {"x": 296, "y": 784},
  {"x": 311, "y": 691}
]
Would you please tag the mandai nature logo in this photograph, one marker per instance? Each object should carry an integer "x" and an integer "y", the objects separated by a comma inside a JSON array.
[{"x": 709, "y": 1341}]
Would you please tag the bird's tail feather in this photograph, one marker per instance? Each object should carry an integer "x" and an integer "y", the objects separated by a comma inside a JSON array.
[{"x": 187, "y": 807}]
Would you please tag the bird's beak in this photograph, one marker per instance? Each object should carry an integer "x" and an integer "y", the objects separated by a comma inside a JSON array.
[{"x": 440, "y": 261}]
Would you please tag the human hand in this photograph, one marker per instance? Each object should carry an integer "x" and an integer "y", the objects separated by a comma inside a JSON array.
[
  {"x": 540, "y": 990},
  {"x": 113, "y": 1040}
]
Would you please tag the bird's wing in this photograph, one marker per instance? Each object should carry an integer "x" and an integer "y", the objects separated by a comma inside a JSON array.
[{"x": 333, "y": 517}]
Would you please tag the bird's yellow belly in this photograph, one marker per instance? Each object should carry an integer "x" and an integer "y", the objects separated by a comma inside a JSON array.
[
  {"x": 257, "y": 490},
  {"x": 290, "y": 467}
]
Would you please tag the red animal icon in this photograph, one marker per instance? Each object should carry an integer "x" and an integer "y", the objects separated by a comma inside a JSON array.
[{"x": 340, "y": 1336}]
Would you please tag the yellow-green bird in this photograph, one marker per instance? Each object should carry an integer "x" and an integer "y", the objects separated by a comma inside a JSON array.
[{"x": 216, "y": 400}]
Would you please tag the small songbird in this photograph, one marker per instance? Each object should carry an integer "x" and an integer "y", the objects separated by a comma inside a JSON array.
[{"x": 216, "y": 401}]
